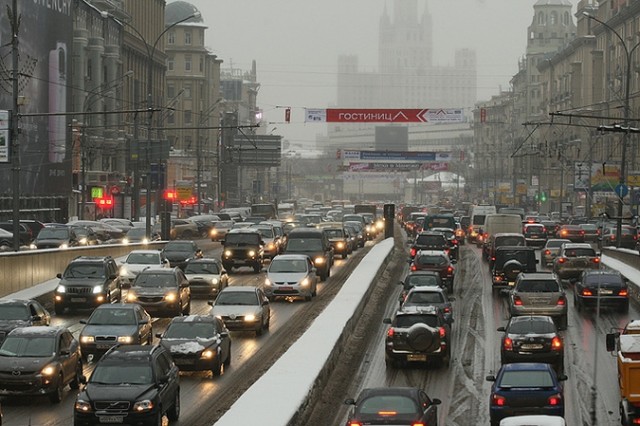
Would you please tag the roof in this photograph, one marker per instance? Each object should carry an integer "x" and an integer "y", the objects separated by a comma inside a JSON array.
[
  {"x": 194, "y": 318},
  {"x": 539, "y": 276},
  {"x": 526, "y": 366},
  {"x": 419, "y": 310},
  {"x": 239, "y": 289},
  {"x": 552, "y": 3},
  {"x": 37, "y": 330},
  {"x": 368, "y": 392},
  {"x": 290, "y": 257},
  {"x": 177, "y": 10}
]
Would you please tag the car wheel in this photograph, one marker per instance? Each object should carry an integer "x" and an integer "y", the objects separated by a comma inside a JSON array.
[
  {"x": 260, "y": 330},
  {"x": 59, "y": 310},
  {"x": 391, "y": 363},
  {"x": 625, "y": 308},
  {"x": 446, "y": 361},
  {"x": 344, "y": 255},
  {"x": 227, "y": 362},
  {"x": 174, "y": 412},
  {"x": 56, "y": 396},
  {"x": 218, "y": 368},
  {"x": 75, "y": 383},
  {"x": 187, "y": 309},
  {"x": 576, "y": 302},
  {"x": 307, "y": 298}
]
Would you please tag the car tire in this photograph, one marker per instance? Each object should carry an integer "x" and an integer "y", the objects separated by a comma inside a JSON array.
[
  {"x": 625, "y": 308},
  {"x": 445, "y": 362},
  {"x": 256, "y": 268},
  {"x": 187, "y": 309},
  {"x": 391, "y": 363},
  {"x": 308, "y": 298},
  {"x": 218, "y": 368},
  {"x": 227, "y": 362},
  {"x": 344, "y": 255},
  {"x": 75, "y": 383},
  {"x": 56, "y": 396},
  {"x": 323, "y": 276}
]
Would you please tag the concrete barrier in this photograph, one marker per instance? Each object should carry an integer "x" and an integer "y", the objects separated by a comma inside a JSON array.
[{"x": 24, "y": 269}]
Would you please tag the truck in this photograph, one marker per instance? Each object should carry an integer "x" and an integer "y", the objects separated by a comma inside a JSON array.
[
  {"x": 498, "y": 223},
  {"x": 626, "y": 346},
  {"x": 478, "y": 214}
]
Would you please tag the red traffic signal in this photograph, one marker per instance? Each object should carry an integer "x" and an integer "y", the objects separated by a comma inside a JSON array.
[
  {"x": 170, "y": 194},
  {"x": 104, "y": 202}
]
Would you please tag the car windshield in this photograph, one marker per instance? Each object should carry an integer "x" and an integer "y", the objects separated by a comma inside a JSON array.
[
  {"x": 526, "y": 379},
  {"x": 226, "y": 224},
  {"x": 190, "y": 330},
  {"x": 112, "y": 317},
  {"x": 580, "y": 252},
  {"x": 510, "y": 241},
  {"x": 53, "y": 234},
  {"x": 387, "y": 403},
  {"x": 236, "y": 298},
  {"x": 432, "y": 260},
  {"x": 424, "y": 297},
  {"x": 606, "y": 279},
  {"x": 430, "y": 240},
  {"x": 28, "y": 346},
  {"x": 173, "y": 246},
  {"x": 288, "y": 265},
  {"x": 155, "y": 280},
  {"x": 406, "y": 321},
  {"x": 535, "y": 229},
  {"x": 304, "y": 244},
  {"x": 84, "y": 271},
  {"x": 334, "y": 233},
  {"x": 265, "y": 232},
  {"x": 242, "y": 239},
  {"x": 122, "y": 374},
  {"x": 14, "y": 312},
  {"x": 421, "y": 280},
  {"x": 538, "y": 286},
  {"x": 588, "y": 227},
  {"x": 202, "y": 268},
  {"x": 531, "y": 326},
  {"x": 136, "y": 232},
  {"x": 143, "y": 258}
]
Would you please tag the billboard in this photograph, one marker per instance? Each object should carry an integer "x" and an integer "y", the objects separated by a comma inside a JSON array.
[
  {"x": 419, "y": 156},
  {"x": 255, "y": 150},
  {"x": 45, "y": 37}
]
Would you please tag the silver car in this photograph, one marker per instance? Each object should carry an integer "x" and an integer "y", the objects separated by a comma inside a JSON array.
[
  {"x": 243, "y": 308},
  {"x": 139, "y": 260},
  {"x": 430, "y": 296},
  {"x": 539, "y": 293},
  {"x": 291, "y": 275},
  {"x": 551, "y": 249}
]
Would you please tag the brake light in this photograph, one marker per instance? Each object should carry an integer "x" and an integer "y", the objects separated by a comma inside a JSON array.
[
  {"x": 498, "y": 400},
  {"x": 547, "y": 252},
  {"x": 390, "y": 332},
  {"x": 450, "y": 270},
  {"x": 454, "y": 241},
  {"x": 447, "y": 309},
  {"x": 493, "y": 258},
  {"x": 414, "y": 267},
  {"x": 544, "y": 229},
  {"x": 355, "y": 424},
  {"x": 417, "y": 424},
  {"x": 596, "y": 260},
  {"x": 387, "y": 413},
  {"x": 442, "y": 332},
  {"x": 612, "y": 237},
  {"x": 587, "y": 292},
  {"x": 581, "y": 232},
  {"x": 563, "y": 232},
  {"x": 507, "y": 344},
  {"x": 636, "y": 421},
  {"x": 555, "y": 399},
  {"x": 556, "y": 343},
  {"x": 413, "y": 252},
  {"x": 623, "y": 292},
  {"x": 561, "y": 301},
  {"x": 517, "y": 301},
  {"x": 562, "y": 259}
]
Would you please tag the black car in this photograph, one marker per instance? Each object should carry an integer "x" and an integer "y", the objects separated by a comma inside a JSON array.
[
  {"x": 39, "y": 361},
  {"x": 419, "y": 279},
  {"x": 132, "y": 384},
  {"x": 511, "y": 261},
  {"x": 243, "y": 247},
  {"x": 393, "y": 405},
  {"x": 418, "y": 334},
  {"x": 87, "y": 282},
  {"x": 429, "y": 240},
  {"x": 60, "y": 236},
  {"x": 162, "y": 292},
  {"x": 198, "y": 343},
  {"x": 180, "y": 252},
  {"x": 117, "y": 324},
  {"x": 25, "y": 232},
  {"x": 16, "y": 313},
  {"x": 532, "y": 338},
  {"x": 314, "y": 243},
  {"x": 607, "y": 287}
]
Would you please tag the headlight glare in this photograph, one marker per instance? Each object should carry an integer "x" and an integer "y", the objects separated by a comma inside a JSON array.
[
  {"x": 125, "y": 339},
  {"x": 144, "y": 405},
  {"x": 61, "y": 289},
  {"x": 97, "y": 289},
  {"x": 250, "y": 318},
  {"x": 170, "y": 297},
  {"x": 87, "y": 339},
  {"x": 64, "y": 245},
  {"x": 83, "y": 406},
  {"x": 207, "y": 354},
  {"x": 49, "y": 370},
  {"x": 131, "y": 296},
  {"x": 305, "y": 282},
  {"x": 318, "y": 260},
  {"x": 228, "y": 253},
  {"x": 252, "y": 253}
]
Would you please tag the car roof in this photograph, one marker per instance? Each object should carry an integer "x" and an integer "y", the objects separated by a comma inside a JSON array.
[
  {"x": 431, "y": 253},
  {"x": 204, "y": 260},
  {"x": 509, "y": 234},
  {"x": 426, "y": 289},
  {"x": 15, "y": 301},
  {"x": 248, "y": 230},
  {"x": 525, "y": 318},
  {"x": 534, "y": 419},
  {"x": 128, "y": 352},
  {"x": 240, "y": 288},
  {"x": 418, "y": 310},
  {"x": 539, "y": 276},
  {"x": 145, "y": 251},
  {"x": 526, "y": 366},
  {"x": 510, "y": 248},
  {"x": 104, "y": 306},
  {"x": 194, "y": 318},
  {"x": 369, "y": 392},
  {"x": 290, "y": 257},
  {"x": 157, "y": 271},
  {"x": 577, "y": 245},
  {"x": 41, "y": 330}
]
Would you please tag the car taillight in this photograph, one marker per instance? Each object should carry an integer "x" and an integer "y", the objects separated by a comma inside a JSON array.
[
  {"x": 450, "y": 269},
  {"x": 596, "y": 260},
  {"x": 563, "y": 232},
  {"x": 454, "y": 242},
  {"x": 581, "y": 232},
  {"x": 442, "y": 332},
  {"x": 390, "y": 332},
  {"x": 544, "y": 229},
  {"x": 355, "y": 424},
  {"x": 414, "y": 267},
  {"x": 636, "y": 421},
  {"x": 387, "y": 413},
  {"x": 555, "y": 399},
  {"x": 447, "y": 309},
  {"x": 562, "y": 259},
  {"x": 498, "y": 400},
  {"x": 612, "y": 237},
  {"x": 417, "y": 424},
  {"x": 507, "y": 344},
  {"x": 413, "y": 252},
  {"x": 561, "y": 301},
  {"x": 556, "y": 343},
  {"x": 517, "y": 301},
  {"x": 547, "y": 252},
  {"x": 587, "y": 292},
  {"x": 623, "y": 292},
  {"x": 493, "y": 258}
]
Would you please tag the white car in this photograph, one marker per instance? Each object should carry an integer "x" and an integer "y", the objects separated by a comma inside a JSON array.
[
  {"x": 207, "y": 277},
  {"x": 537, "y": 420},
  {"x": 243, "y": 308},
  {"x": 291, "y": 275},
  {"x": 139, "y": 260}
]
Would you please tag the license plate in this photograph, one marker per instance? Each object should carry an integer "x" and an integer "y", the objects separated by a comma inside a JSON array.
[
  {"x": 413, "y": 357},
  {"x": 286, "y": 288},
  {"x": 531, "y": 346},
  {"x": 104, "y": 345},
  {"x": 78, "y": 299},
  {"x": 606, "y": 291},
  {"x": 111, "y": 419},
  {"x": 180, "y": 361}
]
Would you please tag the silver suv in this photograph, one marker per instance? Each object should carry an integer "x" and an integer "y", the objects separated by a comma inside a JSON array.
[
  {"x": 539, "y": 293},
  {"x": 573, "y": 258}
]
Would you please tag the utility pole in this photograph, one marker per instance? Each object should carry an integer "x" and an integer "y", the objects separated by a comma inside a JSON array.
[{"x": 15, "y": 145}]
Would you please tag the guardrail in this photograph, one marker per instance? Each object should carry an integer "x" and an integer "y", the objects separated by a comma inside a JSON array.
[
  {"x": 628, "y": 263},
  {"x": 24, "y": 269}
]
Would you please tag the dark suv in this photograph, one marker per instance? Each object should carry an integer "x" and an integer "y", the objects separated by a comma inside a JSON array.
[
  {"x": 88, "y": 282},
  {"x": 509, "y": 262},
  {"x": 132, "y": 384},
  {"x": 417, "y": 334},
  {"x": 162, "y": 292},
  {"x": 315, "y": 244},
  {"x": 243, "y": 247},
  {"x": 429, "y": 240}
]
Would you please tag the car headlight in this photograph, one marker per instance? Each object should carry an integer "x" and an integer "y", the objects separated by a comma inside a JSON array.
[
  {"x": 214, "y": 281},
  {"x": 61, "y": 289},
  {"x": 97, "y": 289},
  {"x": 250, "y": 318},
  {"x": 83, "y": 241},
  {"x": 145, "y": 240},
  {"x": 228, "y": 253},
  {"x": 318, "y": 260},
  {"x": 131, "y": 296},
  {"x": 340, "y": 245},
  {"x": 64, "y": 246},
  {"x": 368, "y": 228},
  {"x": 33, "y": 246},
  {"x": 271, "y": 246},
  {"x": 144, "y": 405},
  {"x": 49, "y": 370},
  {"x": 124, "y": 271},
  {"x": 83, "y": 406},
  {"x": 87, "y": 339},
  {"x": 267, "y": 282},
  {"x": 214, "y": 232},
  {"x": 125, "y": 241},
  {"x": 170, "y": 297},
  {"x": 305, "y": 282},
  {"x": 252, "y": 253},
  {"x": 125, "y": 339},
  {"x": 207, "y": 354}
]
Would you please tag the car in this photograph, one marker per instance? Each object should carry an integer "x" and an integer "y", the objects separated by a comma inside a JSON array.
[
  {"x": 139, "y": 235},
  {"x": 198, "y": 343},
  {"x": 429, "y": 240},
  {"x": 500, "y": 239},
  {"x": 139, "y": 260},
  {"x": 180, "y": 252},
  {"x": 184, "y": 229},
  {"x": 534, "y": 419},
  {"x": 628, "y": 237},
  {"x": 122, "y": 224},
  {"x": 314, "y": 243},
  {"x": 539, "y": 293},
  {"x": 16, "y": 313},
  {"x": 573, "y": 258},
  {"x": 532, "y": 338},
  {"x": 607, "y": 288},
  {"x": 162, "y": 292},
  {"x": 105, "y": 231},
  {"x": 551, "y": 249},
  {"x": 271, "y": 246},
  {"x": 39, "y": 361},
  {"x": 86, "y": 236},
  {"x": 509, "y": 262},
  {"x": 356, "y": 229},
  {"x": 430, "y": 296},
  {"x": 291, "y": 275},
  {"x": 243, "y": 308},
  {"x": 552, "y": 228},
  {"x": 435, "y": 260},
  {"x": 133, "y": 384},
  {"x": 243, "y": 247},
  {"x": 393, "y": 405},
  {"x": 535, "y": 234},
  {"x": 25, "y": 232},
  {"x": 574, "y": 233},
  {"x": 87, "y": 282},
  {"x": 453, "y": 244},
  {"x": 340, "y": 241},
  {"x": 525, "y": 388},
  {"x": 6, "y": 240},
  {"x": 417, "y": 334},
  {"x": 591, "y": 232},
  {"x": 207, "y": 277},
  {"x": 219, "y": 229},
  {"x": 59, "y": 237},
  {"x": 419, "y": 279},
  {"x": 111, "y": 325}
]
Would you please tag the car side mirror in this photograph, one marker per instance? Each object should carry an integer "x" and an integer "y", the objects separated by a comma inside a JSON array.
[
  {"x": 350, "y": 401},
  {"x": 611, "y": 341},
  {"x": 36, "y": 318},
  {"x": 265, "y": 302},
  {"x": 454, "y": 261},
  {"x": 159, "y": 335},
  {"x": 210, "y": 302},
  {"x": 83, "y": 321},
  {"x": 82, "y": 379},
  {"x": 59, "y": 275},
  {"x": 401, "y": 283},
  {"x": 221, "y": 241},
  {"x": 537, "y": 261},
  {"x": 504, "y": 292},
  {"x": 436, "y": 401},
  {"x": 452, "y": 299},
  {"x": 503, "y": 329},
  {"x": 386, "y": 321},
  {"x": 490, "y": 378},
  {"x": 224, "y": 334},
  {"x": 562, "y": 377}
]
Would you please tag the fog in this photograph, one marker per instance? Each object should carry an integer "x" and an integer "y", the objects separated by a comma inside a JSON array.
[{"x": 296, "y": 44}]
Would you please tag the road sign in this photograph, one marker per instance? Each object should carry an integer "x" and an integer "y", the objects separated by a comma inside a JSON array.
[
  {"x": 622, "y": 190},
  {"x": 386, "y": 115}
]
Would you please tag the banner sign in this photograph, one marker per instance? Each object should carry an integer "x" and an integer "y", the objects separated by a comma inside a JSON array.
[
  {"x": 364, "y": 115},
  {"x": 415, "y": 156},
  {"x": 397, "y": 167},
  {"x": 5, "y": 139}
]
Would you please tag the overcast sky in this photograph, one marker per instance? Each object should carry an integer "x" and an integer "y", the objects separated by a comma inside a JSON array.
[{"x": 296, "y": 44}]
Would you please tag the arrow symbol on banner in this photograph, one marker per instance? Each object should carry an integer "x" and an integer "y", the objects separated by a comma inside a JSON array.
[
  {"x": 422, "y": 115},
  {"x": 400, "y": 114}
]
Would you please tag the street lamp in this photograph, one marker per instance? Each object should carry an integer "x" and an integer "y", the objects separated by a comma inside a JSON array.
[
  {"x": 625, "y": 137},
  {"x": 151, "y": 49}
]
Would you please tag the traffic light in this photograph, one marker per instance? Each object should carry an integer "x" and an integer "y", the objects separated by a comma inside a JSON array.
[
  {"x": 543, "y": 196},
  {"x": 104, "y": 202}
]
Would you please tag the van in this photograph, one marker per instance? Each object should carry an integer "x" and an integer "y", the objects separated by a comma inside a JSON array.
[
  {"x": 512, "y": 210},
  {"x": 314, "y": 243},
  {"x": 498, "y": 223},
  {"x": 478, "y": 214},
  {"x": 439, "y": 221}
]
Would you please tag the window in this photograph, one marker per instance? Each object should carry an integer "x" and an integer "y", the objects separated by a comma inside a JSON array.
[
  {"x": 187, "y": 91},
  {"x": 187, "y": 63},
  {"x": 201, "y": 64},
  {"x": 187, "y": 37},
  {"x": 170, "y": 63},
  {"x": 187, "y": 117},
  {"x": 171, "y": 91},
  {"x": 171, "y": 38}
]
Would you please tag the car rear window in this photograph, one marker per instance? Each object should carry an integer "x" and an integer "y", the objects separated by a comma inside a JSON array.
[
  {"x": 406, "y": 321},
  {"x": 609, "y": 279},
  {"x": 430, "y": 240},
  {"x": 526, "y": 379},
  {"x": 509, "y": 241},
  {"x": 580, "y": 252},
  {"x": 398, "y": 404},
  {"x": 421, "y": 280},
  {"x": 432, "y": 260},
  {"x": 424, "y": 297},
  {"x": 532, "y": 326},
  {"x": 538, "y": 286}
]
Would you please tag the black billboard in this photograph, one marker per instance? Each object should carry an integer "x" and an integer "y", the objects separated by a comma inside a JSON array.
[{"x": 45, "y": 38}]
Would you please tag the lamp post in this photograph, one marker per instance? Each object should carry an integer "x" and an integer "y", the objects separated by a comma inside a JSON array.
[
  {"x": 203, "y": 120},
  {"x": 151, "y": 49},
  {"x": 625, "y": 137}
]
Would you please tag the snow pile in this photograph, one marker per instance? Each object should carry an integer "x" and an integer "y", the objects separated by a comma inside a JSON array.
[{"x": 187, "y": 348}]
